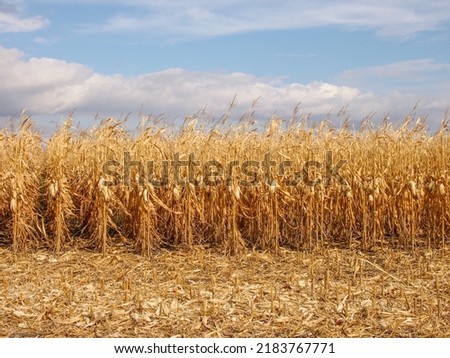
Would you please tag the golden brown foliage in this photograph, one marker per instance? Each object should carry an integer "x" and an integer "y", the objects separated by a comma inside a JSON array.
[{"x": 391, "y": 191}]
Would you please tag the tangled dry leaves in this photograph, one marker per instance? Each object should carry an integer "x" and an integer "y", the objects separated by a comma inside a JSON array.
[
  {"x": 203, "y": 293},
  {"x": 229, "y": 186}
]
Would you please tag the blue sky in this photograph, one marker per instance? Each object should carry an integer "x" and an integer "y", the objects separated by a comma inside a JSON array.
[{"x": 113, "y": 58}]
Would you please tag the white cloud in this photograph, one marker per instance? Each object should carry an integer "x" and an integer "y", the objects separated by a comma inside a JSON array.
[
  {"x": 402, "y": 69},
  {"x": 13, "y": 20},
  {"x": 53, "y": 88},
  {"x": 423, "y": 77},
  {"x": 199, "y": 18}
]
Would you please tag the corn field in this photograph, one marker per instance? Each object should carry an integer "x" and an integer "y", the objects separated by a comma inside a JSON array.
[{"x": 231, "y": 187}]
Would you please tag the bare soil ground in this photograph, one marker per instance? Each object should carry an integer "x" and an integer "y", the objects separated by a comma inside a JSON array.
[{"x": 202, "y": 293}]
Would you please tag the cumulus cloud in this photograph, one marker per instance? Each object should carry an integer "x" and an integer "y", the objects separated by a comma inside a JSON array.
[
  {"x": 200, "y": 18},
  {"x": 401, "y": 69},
  {"x": 13, "y": 20},
  {"x": 421, "y": 76},
  {"x": 50, "y": 87}
]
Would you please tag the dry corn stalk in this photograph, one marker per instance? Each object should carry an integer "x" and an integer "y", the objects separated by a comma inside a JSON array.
[{"x": 393, "y": 184}]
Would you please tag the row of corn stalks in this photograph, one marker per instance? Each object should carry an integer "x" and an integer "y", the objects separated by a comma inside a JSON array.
[{"x": 391, "y": 187}]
